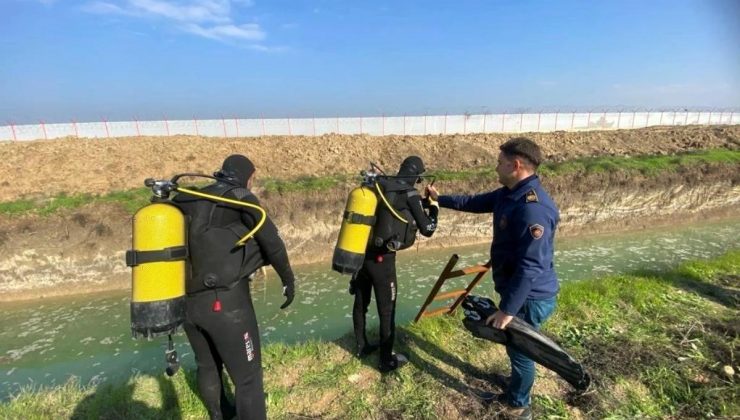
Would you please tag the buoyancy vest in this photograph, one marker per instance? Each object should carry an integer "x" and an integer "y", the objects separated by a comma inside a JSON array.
[
  {"x": 216, "y": 262},
  {"x": 390, "y": 233}
]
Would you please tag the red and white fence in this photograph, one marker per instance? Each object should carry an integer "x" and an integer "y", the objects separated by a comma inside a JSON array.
[{"x": 374, "y": 126}]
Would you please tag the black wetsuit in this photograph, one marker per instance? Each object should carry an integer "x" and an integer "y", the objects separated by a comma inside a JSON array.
[
  {"x": 378, "y": 272},
  {"x": 228, "y": 336}
]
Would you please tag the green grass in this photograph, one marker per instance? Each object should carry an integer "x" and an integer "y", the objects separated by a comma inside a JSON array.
[
  {"x": 646, "y": 165},
  {"x": 654, "y": 342},
  {"x": 131, "y": 200},
  {"x": 303, "y": 184}
]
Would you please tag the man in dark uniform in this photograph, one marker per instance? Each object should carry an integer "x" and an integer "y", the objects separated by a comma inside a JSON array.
[
  {"x": 220, "y": 320},
  {"x": 524, "y": 223},
  {"x": 378, "y": 271}
]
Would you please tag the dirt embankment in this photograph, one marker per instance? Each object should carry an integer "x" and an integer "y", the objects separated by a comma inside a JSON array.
[
  {"x": 82, "y": 250},
  {"x": 44, "y": 168}
]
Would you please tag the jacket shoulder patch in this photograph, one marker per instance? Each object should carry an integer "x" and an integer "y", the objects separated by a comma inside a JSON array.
[
  {"x": 531, "y": 197},
  {"x": 536, "y": 231}
]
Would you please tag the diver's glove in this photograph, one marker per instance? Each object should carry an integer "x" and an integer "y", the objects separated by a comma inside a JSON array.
[{"x": 289, "y": 293}]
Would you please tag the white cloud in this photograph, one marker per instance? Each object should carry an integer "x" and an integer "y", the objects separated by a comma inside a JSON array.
[
  {"x": 105, "y": 8},
  {"x": 196, "y": 11},
  {"x": 212, "y": 19},
  {"x": 249, "y": 31}
]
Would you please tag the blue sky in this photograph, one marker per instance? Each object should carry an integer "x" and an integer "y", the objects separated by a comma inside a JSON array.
[{"x": 118, "y": 59}]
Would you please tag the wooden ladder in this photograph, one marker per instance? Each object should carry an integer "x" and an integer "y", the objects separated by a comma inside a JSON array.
[{"x": 447, "y": 273}]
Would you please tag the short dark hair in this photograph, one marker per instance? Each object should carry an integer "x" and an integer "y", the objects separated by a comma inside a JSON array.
[{"x": 524, "y": 148}]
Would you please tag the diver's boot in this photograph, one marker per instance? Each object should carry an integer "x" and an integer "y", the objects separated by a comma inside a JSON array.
[
  {"x": 397, "y": 361},
  {"x": 366, "y": 350}
]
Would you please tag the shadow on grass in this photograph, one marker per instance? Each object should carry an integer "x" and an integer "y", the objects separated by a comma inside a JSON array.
[
  {"x": 726, "y": 292},
  {"x": 109, "y": 402},
  {"x": 228, "y": 405},
  {"x": 470, "y": 373},
  {"x": 348, "y": 343}
]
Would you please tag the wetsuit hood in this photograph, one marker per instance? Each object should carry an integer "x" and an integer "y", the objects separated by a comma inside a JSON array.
[
  {"x": 412, "y": 165},
  {"x": 237, "y": 169}
]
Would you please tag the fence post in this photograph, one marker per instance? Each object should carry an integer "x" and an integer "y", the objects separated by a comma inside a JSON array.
[
  {"x": 223, "y": 123},
  {"x": 647, "y": 120},
  {"x": 166, "y": 125},
  {"x": 314, "y": 125},
  {"x": 732, "y": 115},
  {"x": 503, "y": 122},
  {"x": 556, "y": 119},
  {"x": 539, "y": 118},
  {"x": 445, "y": 131},
  {"x": 382, "y": 124},
  {"x": 465, "y": 124},
  {"x": 588, "y": 121},
  {"x": 619, "y": 119},
  {"x": 290, "y": 128},
  {"x": 107, "y": 133},
  {"x": 262, "y": 118},
  {"x": 360, "y": 125},
  {"x": 404, "y": 124},
  {"x": 12, "y": 128},
  {"x": 673, "y": 120},
  {"x": 236, "y": 125},
  {"x": 572, "y": 120},
  {"x": 634, "y": 115},
  {"x": 337, "y": 124},
  {"x": 686, "y": 118},
  {"x": 425, "y": 123},
  {"x": 661, "y": 118},
  {"x": 521, "y": 121},
  {"x": 195, "y": 122},
  {"x": 74, "y": 124},
  {"x": 43, "y": 127},
  {"x": 485, "y": 117}
]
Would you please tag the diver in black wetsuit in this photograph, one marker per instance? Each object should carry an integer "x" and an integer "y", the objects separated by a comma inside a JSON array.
[
  {"x": 378, "y": 271},
  {"x": 220, "y": 320}
]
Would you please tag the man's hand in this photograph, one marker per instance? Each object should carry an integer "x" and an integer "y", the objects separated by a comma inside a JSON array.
[
  {"x": 432, "y": 192},
  {"x": 289, "y": 293},
  {"x": 499, "y": 320}
]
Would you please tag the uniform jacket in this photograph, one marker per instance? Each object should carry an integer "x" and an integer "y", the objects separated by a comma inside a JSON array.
[{"x": 524, "y": 223}]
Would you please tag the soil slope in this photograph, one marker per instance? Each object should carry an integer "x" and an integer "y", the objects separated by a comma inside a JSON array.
[{"x": 44, "y": 168}]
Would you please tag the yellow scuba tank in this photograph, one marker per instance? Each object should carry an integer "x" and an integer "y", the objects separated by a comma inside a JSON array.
[
  {"x": 357, "y": 223},
  {"x": 158, "y": 261},
  {"x": 158, "y": 270}
]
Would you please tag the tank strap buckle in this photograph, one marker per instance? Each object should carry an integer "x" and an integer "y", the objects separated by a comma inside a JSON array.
[
  {"x": 359, "y": 219},
  {"x": 175, "y": 253}
]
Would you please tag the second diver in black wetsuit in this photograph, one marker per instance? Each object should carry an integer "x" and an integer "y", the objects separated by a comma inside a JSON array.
[
  {"x": 220, "y": 319},
  {"x": 378, "y": 271}
]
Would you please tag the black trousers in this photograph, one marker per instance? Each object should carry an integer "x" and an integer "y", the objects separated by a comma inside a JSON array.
[
  {"x": 227, "y": 338},
  {"x": 380, "y": 277}
]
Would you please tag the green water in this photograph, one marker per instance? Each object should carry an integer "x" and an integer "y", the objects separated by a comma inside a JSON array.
[{"x": 46, "y": 342}]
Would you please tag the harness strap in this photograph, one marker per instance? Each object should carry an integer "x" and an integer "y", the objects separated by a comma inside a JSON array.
[{"x": 175, "y": 253}]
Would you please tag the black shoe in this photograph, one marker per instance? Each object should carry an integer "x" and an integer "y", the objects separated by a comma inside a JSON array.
[
  {"x": 517, "y": 413},
  {"x": 487, "y": 398},
  {"x": 398, "y": 361},
  {"x": 366, "y": 350}
]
